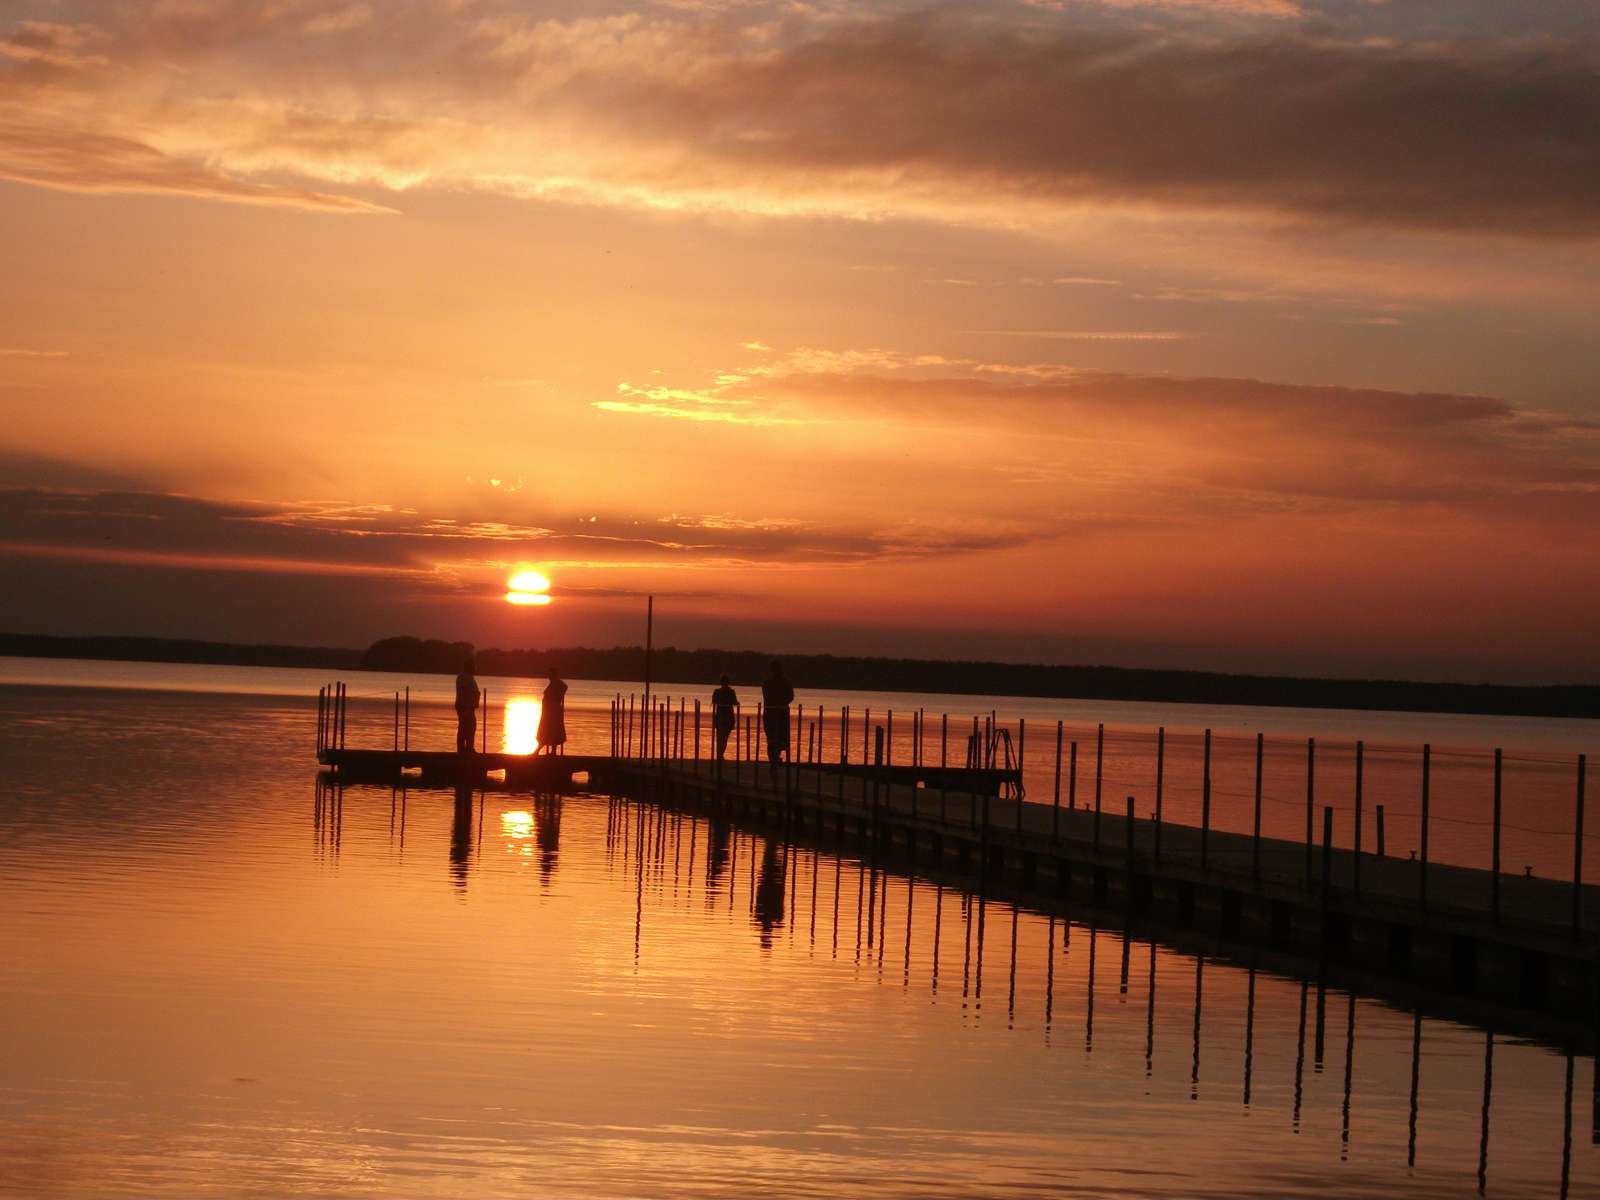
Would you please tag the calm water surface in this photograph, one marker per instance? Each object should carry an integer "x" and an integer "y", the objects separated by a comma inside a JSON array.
[{"x": 214, "y": 982}]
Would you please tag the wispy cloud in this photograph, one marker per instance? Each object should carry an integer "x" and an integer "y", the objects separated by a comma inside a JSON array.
[
  {"x": 24, "y": 352},
  {"x": 1091, "y": 335}
]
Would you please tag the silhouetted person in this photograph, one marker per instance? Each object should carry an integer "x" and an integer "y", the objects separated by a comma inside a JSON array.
[
  {"x": 776, "y": 695},
  {"x": 553, "y": 716},
  {"x": 724, "y": 715},
  {"x": 466, "y": 707}
]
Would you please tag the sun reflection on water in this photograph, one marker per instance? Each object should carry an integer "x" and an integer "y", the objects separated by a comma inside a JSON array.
[
  {"x": 521, "y": 732},
  {"x": 517, "y": 824}
]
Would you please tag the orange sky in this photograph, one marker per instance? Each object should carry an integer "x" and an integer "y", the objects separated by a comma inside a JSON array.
[{"x": 1245, "y": 334}]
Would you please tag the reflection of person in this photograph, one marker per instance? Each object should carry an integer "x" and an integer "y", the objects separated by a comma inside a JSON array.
[
  {"x": 466, "y": 707},
  {"x": 724, "y": 714},
  {"x": 776, "y": 695},
  {"x": 768, "y": 900},
  {"x": 553, "y": 717}
]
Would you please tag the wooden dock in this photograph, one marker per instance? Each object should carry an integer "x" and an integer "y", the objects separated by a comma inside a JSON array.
[{"x": 1528, "y": 943}]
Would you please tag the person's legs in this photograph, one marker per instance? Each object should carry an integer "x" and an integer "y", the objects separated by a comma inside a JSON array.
[
  {"x": 466, "y": 732},
  {"x": 722, "y": 742}
]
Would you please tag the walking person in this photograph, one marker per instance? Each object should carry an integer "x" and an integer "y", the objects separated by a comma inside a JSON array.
[
  {"x": 776, "y": 696},
  {"x": 724, "y": 716},
  {"x": 552, "y": 735},
  {"x": 466, "y": 707}
]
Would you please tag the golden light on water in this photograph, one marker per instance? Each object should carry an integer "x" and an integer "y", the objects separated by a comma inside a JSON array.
[
  {"x": 528, "y": 588},
  {"x": 518, "y": 824},
  {"x": 521, "y": 731}
]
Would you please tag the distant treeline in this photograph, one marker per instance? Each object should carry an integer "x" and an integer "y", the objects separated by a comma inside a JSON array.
[
  {"x": 746, "y": 667},
  {"x": 143, "y": 649}
]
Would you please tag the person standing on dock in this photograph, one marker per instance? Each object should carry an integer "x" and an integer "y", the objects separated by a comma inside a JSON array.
[
  {"x": 724, "y": 715},
  {"x": 776, "y": 696},
  {"x": 552, "y": 734},
  {"x": 466, "y": 707}
]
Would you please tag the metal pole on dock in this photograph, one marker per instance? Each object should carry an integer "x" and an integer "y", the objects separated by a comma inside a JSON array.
[
  {"x": 1205, "y": 803},
  {"x": 321, "y": 701},
  {"x": 1255, "y": 844},
  {"x": 1494, "y": 877},
  {"x": 1422, "y": 873},
  {"x": 344, "y": 714},
  {"x": 1311, "y": 792},
  {"x": 1099, "y": 761},
  {"x": 888, "y": 757},
  {"x": 1577, "y": 856},
  {"x": 844, "y": 736},
  {"x": 649, "y": 645},
  {"x": 696, "y": 730},
  {"x": 397, "y": 720},
  {"x": 1130, "y": 847},
  {"x": 405, "y": 743},
  {"x": 1355, "y": 863},
  {"x": 944, "y": 764},
  {"x": 1327, "y": 853},
  {"x": 1161, "y": 760},
  {"x": 1022, "y": 734},
  {"x": 1072, "y": 778},
  {"x": 1055, "y": 812},
  {"x": 1378, "y": 812}
]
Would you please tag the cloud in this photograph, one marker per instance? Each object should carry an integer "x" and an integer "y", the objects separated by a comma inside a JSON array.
[{"x": 931, "y": 114}]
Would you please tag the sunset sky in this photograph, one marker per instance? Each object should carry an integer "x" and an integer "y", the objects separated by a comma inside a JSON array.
[{"x": 1236, "y": 334}]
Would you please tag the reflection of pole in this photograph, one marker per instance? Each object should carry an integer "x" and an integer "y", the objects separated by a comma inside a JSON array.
[
  {"x": 1416, "y": 1073},
  {"x": 1483, "y": 1132}
]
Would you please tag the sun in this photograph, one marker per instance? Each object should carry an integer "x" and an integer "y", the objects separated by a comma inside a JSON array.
[{"x": 528, "y": 588}]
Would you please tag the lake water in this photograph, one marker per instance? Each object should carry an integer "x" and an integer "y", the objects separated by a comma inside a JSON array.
[{"x": 217, "y": 981}]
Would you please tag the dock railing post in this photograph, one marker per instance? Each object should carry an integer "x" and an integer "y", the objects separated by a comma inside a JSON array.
[
  {"x": 1099, "y": 763},
  {"x": 1577, "y": 856},
  {"x": 344, "y": 714},
  {"x": 1022, "y": 733},
  {"x": 877, "y": 776},
  {"x": 944, "y": 766},
  {"x": 697, "y": 731},
  {"x": 1377, "y": 811},
  {"x": 1072, "y": 778},
  {"x": 321, "y": 700},
  {"x": 1130, "y": 846},
  {"x": 1327, "y": 853},
  {"x": 1355, "y": 861},
  {"x": 1255, "y": 842},
  {"x": 1161, "y": 761},
  {"x": 397, "y": 720},
  {"x": 1055, "y": 812},
  {"x": 844, "y": 737},
  {"x": 406, "y": 738},
  {"x": 1311, "y": 794},
  {"x": 1205, "y": 805},
  {"x": 1494, "y": 870},
  {"x": 1422, "y": 872}
]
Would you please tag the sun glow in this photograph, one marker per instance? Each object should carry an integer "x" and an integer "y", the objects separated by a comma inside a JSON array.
[
  {"x": 521, "y": 730},
  {"x": 528, "y": 588}
]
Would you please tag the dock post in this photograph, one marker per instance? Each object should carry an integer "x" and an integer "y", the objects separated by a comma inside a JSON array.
[
  {"x": 1161, "y": 760},
  {"x": 1327, "y": 853},
  {"x": 1311, "y": 793},
  {"x": 406, "y": 736},
  {"x": 697, "y": 730},
  {"x": 1072, "y": 778},
  {"x": 866, "y": 732},
  {"x": 1055, "y": 812},
  {"x": 1205, "y": 804},
  {"x": 1022, "y": 733},
  {"x": 397, "y": 720},
  {"x": 877, "y": 771},
  {"x": 344, "y": 715},
  {"x": 321, "y": 700},
  {"x": 844, "y": 738},
  {"x": 888, "y": 756},
  {"x": 1422, "y": 873},
  {"x": 1355, "y": 862},
  {"x": 1130, "y": 849},
  {"x": 760, "y": 724},
  {"x": 1099, "y": 762},
  {"x": 1378, "y": 812},
  {"x": 627, "y": 745},
  {"x": 1577, "y": 856},
  {"x": 483, "y": 734},
  {"x": 1255, "y": 844},
  {"x": 1494, "y": 879},
  {"x": 944, "y": 766}
]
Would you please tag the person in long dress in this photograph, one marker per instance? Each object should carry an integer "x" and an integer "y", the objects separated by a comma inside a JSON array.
[
  {"x": 552, "y": 733},
  {"x": 776, "y": 696}
]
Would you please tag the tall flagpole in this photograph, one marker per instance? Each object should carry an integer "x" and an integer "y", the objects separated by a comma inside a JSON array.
[{"x": 649, "y": 637}]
